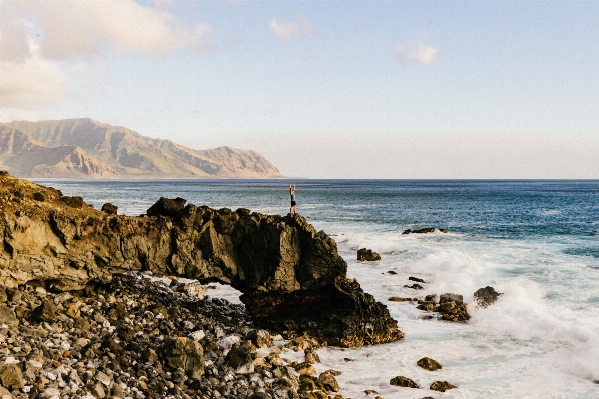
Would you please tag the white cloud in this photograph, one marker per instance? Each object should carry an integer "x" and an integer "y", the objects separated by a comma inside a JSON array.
[
  {"x": 75, "y": 28},
  {"x": 43, "y": 45},
  {"x": 33, "y": 82},
  {"x": 416, "y": 52},
  {"x": 300, "y": 26}
]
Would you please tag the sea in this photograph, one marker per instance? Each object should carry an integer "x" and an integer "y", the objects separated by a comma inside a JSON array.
[{"x": 537, "y": 242}]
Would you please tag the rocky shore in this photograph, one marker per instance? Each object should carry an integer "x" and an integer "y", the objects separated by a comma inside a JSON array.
[
  {"x": 291, "y": 276},
  {"x": 138, "y": 337}
]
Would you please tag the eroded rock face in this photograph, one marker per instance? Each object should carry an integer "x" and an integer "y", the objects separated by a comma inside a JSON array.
[{"x": 291, "y": 275}]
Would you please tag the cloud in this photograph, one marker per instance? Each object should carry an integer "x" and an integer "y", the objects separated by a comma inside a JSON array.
[
  {"x": 43, "y": 45},
  {"x": 299, "y": 27},
  {"x": 416, "y": 52},
  {"x": 78, "y": 28}
]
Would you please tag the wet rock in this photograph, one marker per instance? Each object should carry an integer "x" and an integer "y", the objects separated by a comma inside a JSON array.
[
  {"x": 109, "y": 208},
  {"x": 305, "y": 368},
  {"x": 329, "y": 314},
  {"x": 442, "y": 386},
  {"x": 260, "y": 338},
  {"x": 402, "y": 381},
  {"x": 367, "y": 255},
  {"x": 311, "y": 356},
  {"x": 416, "y": 279},
  {"x": 414, "y": 286},
  {"x": 167, "y": 207},
  {"x": 424, "y": 230},
  {"x": 327, "y": 382},
  {"x": 432, "y": 298},
  {"x": 486, "y": 296},
  {"x": 400, "y": 299},
  {"x": 458, "y": 299},
  {"x": 429, "y": 364}
]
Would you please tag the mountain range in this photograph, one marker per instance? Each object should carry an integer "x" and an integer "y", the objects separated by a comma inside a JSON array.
[{"x": 86, "y": 148}]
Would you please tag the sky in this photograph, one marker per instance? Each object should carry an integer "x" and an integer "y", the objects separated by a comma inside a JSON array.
[{"x": 323, "y": 89}]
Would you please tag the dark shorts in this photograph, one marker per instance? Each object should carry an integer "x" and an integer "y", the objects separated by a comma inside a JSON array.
[{"x": 292, "y": 203}]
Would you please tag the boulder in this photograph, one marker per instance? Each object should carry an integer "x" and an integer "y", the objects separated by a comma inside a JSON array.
[
  {"x": 45, "y": 312},
  {"x": 367, "y": 255},
  {"x": 414, "y": 286},
  {"x": 442, "y": 386},
  {"x": 402, "y": 381},
  {"x": 327, "y": 382},
  {"x": 458, "y": 299},
  {"x": 416, "y": 279},
  {"x": 310, "y": 356},
  {"x": 8, "y": 317},
  {"x": 239, "y": 358},
  {"x": 167, "y": 207},
  {"x": 185, "y": 353},
  {"x": 429, "y": 364},
  {"x": 109, "y": 208},
  {"x": 424, "y": 230},
  {"x": 11, "y": 376},
  {"x": 486, "y": 296},
  {"x": 260, "y": 338}
]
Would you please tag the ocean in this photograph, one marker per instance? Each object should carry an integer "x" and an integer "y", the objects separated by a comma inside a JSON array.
[{"x": 537, "y": 242}]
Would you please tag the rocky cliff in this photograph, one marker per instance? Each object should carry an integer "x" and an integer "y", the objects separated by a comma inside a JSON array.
[
  {"x": 130, "y": 154},
  {"x": 291, "y": 276}
]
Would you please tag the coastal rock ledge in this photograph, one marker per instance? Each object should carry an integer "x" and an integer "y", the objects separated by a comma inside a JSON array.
[{"x": 291, "y": 276}]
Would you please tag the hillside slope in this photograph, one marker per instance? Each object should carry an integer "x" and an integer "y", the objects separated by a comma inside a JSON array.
[
  {"x": 132, "y": 155},
  {"x": 24, "y": 156}
]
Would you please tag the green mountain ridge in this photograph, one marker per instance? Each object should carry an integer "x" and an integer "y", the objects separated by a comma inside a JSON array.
[{"x": 104, "y": 151}]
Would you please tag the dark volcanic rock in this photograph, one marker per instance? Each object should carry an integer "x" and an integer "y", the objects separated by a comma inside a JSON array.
[
  {"x": 429, "y": 364},
  {"x": 291, "y": 275},
  {"x": 486, "y": 296},
  {"x": 340, "y": 314},
  {"x": 402, "y": 381},
  {"x": 367, "y": 255},
  {"x": 424, "y": 230},
  {"x": 418, "y": 280},
  {"x": 167, "y": 207},
  {"x": 414, "y": 286},
  {"x": 442, "y": 386},
  {"x": 109, "y": 208}
]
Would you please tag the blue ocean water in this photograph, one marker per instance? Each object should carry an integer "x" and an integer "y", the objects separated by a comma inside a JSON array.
[{"x": 535, "y": 241}]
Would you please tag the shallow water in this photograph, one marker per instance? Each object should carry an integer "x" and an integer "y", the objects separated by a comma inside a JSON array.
[{"x": 535, "y": 241}]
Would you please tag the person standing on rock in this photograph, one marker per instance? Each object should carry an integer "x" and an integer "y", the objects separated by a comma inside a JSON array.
[{"x": 292, "y": 209}]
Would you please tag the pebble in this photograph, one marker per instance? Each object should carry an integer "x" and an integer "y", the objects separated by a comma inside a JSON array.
[{"x": 107, "y": 342}]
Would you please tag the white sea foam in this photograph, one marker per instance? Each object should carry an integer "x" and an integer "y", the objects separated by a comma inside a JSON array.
[{"x": 534, "y": 342}]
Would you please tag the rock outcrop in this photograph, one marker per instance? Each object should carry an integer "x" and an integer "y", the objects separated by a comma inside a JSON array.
[
  {"x": 424, "y": 230},
  {"x": 367, "y": 255},
  {"x": 291, "y": 276},
  {"x": 486, "y": 296}
]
